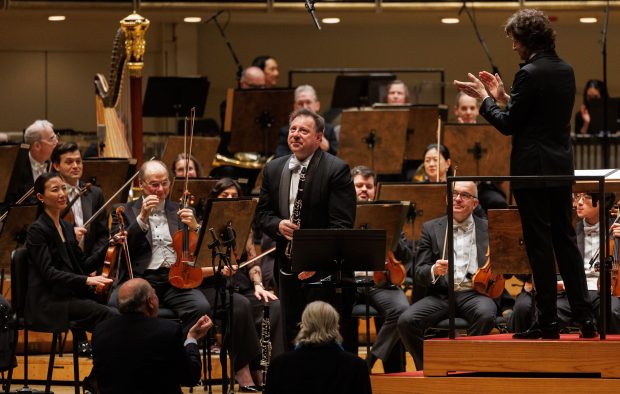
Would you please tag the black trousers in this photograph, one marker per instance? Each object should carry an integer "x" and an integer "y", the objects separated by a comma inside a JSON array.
[{"x": 549, "y": 237}]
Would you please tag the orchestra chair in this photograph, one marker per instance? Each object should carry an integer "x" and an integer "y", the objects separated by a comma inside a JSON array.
[{"x": 19, "y": 287}]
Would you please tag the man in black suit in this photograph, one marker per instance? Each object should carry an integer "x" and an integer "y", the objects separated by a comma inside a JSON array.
[
  {"x": 151, "y": 221},
  {"x": 305, "y": 97},
  {"x": 138, "y": 353},
  {"x": 537, "y": 116},
  {"x": 327, "y": 202},
  {"x": 471, "y": 240},
  {"x": 42, "y": 139},
  {"x": 67, "y": 162}
]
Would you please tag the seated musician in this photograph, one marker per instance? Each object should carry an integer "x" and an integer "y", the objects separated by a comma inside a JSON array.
[
  {"x": 397, "y": 92},
  {"x": 247, "y": 307},
  {"x": 42, "y": 140},
  {"x": 389, "y": 300},
  {"x": 269, "y": 65},
  {"x": 465, "y": 108},
  {"x": 436, "y": 166},
  {"x": 305, "y": 97},
  {"x": 588, "y": 231},
  {"x": 151, "y": 222},
  {"x": 59, "y": 287},
  {"x": 137, "y": 353},
  {"x": 194, "y": 168},
  {"x": 471, "y": 240}
]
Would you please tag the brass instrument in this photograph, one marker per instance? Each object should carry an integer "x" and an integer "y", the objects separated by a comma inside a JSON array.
[
  {"x": 296, "y": 214},
  {"x": 265, "y": 342},
  {"x": 241, "y": 160}
]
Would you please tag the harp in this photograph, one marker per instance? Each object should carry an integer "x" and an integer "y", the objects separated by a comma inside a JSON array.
[{"x": 113, "y": 143}]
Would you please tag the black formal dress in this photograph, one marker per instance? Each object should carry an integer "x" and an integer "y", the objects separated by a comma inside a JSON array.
[
  {"x": 538, "y": 119},
  {"x": 189, "y": 304},
  {"x": 283, "y": 150},
  {"x": 134, "y": 353},
  {"x": 329, "y": 202},
  {"x": 479, "y": 310},
  {"x": 57, "y": 291},
  {"x": 324, "y": 369}
]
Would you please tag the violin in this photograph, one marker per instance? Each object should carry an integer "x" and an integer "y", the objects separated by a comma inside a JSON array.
[
  {"x": 485, "y": 282},
  {"x": 183, "y": 273},
  {"x": 394, "y": 272},
  {"x": 67, "y": 212},
  {"x": 112, "y": 257}
]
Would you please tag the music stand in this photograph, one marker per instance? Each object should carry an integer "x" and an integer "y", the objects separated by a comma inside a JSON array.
[
  {"x": 478, "y": 149},
  {"x": 254, "y": 117},
  {"x": 374, "y": 138},
  {"x": 428, "y": 201},
  {"x": 203, "y": 148},
  {"x": 597, "y": 115},
  {"x": 13, "y": 232},
  {"x": 12, "y": 158},
  {"x": 200, "y": 188},
  {"x": 422, "y": 129},
  {"x": 506, "y": 246},
  {"x": 360, "y": 90},
  {"x": 109, "y": 175},
  {"x": 383, "y": 215},
  {"x": 168, "y": 97}
]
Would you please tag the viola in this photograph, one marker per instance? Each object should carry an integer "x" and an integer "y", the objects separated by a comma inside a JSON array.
[
  {"x": 485, "y": 282},
  {"x": 394, "y": 272},
  {"x": 112, "y": 257},
  {"x": 184, "y": 274}
]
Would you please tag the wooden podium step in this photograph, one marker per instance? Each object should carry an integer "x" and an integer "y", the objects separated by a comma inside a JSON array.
[{"x": 502, "y": 354}]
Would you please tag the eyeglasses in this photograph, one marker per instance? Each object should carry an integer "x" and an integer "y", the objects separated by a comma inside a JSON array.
[
  {"x": 157, "y": 185},
  {"x": 464, "y": 196},
  {"x": 579, "y": 196},
  {"x": 51, "y": 139}
]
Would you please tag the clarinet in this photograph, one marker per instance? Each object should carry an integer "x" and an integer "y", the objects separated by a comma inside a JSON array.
[
  {"x": 296, "y": 215},
  {"x": 265, "y": 342}
]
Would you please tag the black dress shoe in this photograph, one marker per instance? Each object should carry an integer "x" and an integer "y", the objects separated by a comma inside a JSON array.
[
  {"x": 587, "y": 329},
  {"x": 249, "y": 389},
  {"x": 550, "y": 331}
]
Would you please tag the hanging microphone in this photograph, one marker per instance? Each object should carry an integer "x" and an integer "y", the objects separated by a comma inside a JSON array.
[
  {"x": 310, "y": 8},
  {"x": 214, "y": 17}
]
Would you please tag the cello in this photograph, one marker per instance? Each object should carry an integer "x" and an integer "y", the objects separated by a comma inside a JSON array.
[{"x": 183, "y": 273}]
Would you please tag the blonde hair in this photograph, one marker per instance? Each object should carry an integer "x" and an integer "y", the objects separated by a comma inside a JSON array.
[{"x": 319, "y": 325}]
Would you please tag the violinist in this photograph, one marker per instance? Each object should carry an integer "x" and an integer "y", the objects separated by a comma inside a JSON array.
[
  {"x": 471, "y": 240},
  {"x": 587, "y": 206},
  {"x": 436, "y": 166},
  {"x": 67, "y": 162},
  {"x": 151, "y": 222},
  {"x": 59, "y": 287},
  {"x": 194, "y": 169},
  {"x": 385, "y": 297}
]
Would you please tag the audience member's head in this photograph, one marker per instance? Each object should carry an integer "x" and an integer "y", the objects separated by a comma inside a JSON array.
[
  {"x": 269, "y": 65},
  {"x": 252, "y": 78},
  {"x": 42, "y": 140},
  {"x": 137, "y": 296},
  {"x": 319, "y": 325},
  {"x": 364, "y": 180},
  {"x": 397, "y": 92},
  {"x": 465, "y": 108},
  {"x": 180, "y": 163}
]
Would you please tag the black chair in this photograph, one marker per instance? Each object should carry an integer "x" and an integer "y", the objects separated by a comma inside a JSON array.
[{"x": 19, "y": 287}]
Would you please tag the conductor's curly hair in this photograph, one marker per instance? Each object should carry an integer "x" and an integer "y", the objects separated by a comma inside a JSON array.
[{"x": 532, "y": 29}]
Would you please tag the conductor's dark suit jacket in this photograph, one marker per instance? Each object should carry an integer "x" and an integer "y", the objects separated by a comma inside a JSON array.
[
  {"x": 538, "y": 118},
  {"x": 430, "y": 248},
  {"x": 328, "y": 202},
  {"x": 57, "y": 273},
  {"x": 133, "y": 353}
]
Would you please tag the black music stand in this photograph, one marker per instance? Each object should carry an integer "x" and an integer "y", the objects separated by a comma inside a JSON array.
[
  {"x": 597, "y": 111},
  {"x": 13, "y": 160},
  {"x": 109, "y": 174},
  {"x": 360, "y": 90},
  {"x": 168, "y": 97}
]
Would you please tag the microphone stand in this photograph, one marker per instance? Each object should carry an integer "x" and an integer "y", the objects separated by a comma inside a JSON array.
[
  {"x": 494, "y": 68},
  {"x": 311, "y": 10},
  {"x": 228, "y": 44}
]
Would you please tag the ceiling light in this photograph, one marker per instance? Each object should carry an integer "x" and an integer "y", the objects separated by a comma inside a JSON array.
[
  {"x": 330, "y": 21},
  {"x": 192, "y": 19},
  {"x": 56, "y": 18},
  {"x": 588, "y": 20},
  {"x": 450, "y": 21}
]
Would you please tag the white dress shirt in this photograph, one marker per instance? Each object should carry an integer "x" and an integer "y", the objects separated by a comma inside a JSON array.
[{"x": 162, "y": 253}]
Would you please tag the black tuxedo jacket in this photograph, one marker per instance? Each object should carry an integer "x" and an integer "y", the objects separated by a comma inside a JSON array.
[
  {"x": 57, "y": 273},
  {"x": 325, "y": 369},
  {"x": 140, "y": 242},
  {"x": 133, "y": 353},
  {"x": 538, "y": 118},
  {"x": 328, "y": 199},
  {"x": 97, "y": 234},
  {"x": 430, "y": 248}
]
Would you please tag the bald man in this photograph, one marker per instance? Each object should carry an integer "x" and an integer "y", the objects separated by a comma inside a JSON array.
[{"x": 138, "y": 352}]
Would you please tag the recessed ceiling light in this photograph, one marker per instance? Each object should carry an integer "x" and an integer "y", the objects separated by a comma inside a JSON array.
[
  {"x": 330, "y": 21},
  {"x": 588, "y": 20},
  {"x": 192, "y": 19},
  {"x": 56, "y": 18},
  {"x": 450, "y": 21}
]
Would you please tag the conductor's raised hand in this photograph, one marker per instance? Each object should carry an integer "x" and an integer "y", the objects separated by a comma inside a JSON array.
[
  {"x": 475, "y": 88},
  {"x": 495, "y": 86},
  {"x": 286, "y": 228}
]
